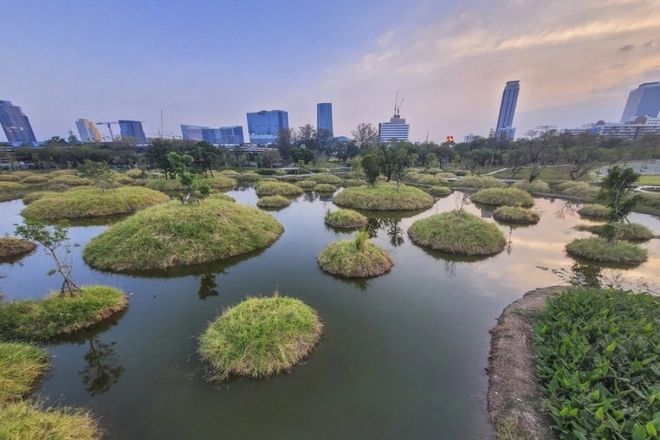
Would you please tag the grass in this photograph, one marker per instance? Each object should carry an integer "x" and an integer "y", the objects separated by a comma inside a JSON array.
[
  {"x": 230, "y": 173},
  {"x": 176, "y": 235},
  {"x": 503, "y": 197},
  {"x": 10, "y": 247},
  {"x": 537, "y": 186},
  {"x": 21, "y": 366},
  {"x": 249, "y": 176},
  {"x": 650, "y": 203},
  {"x": 345, "y": 218},
  {"x": 351, "y": 183},
  {"x": 325, "y": 188},
  {"x": 30, "y": 421},
  {"x": 273, "y": 202},
  {"x": 165, "y": 185},
  {"x": 545, "y": 173},
  {"x": 478, "y": 182},
  {"x": 594, "y": 211},
  {"x": 278, "y": 188},
  {"x": 70, "y": 180},
  {"x": 93, "y": 202},
  {"x": 9, "y": 177},
  {"x": 384, "y": 197},
  {"x": 37, "y": 179},
  {"x": 356, "y": 258},
  {"x": 36, "y": 195},
  {"x": 330, "y": 179},
  {"x": 306, "y": 185},
  {"x": 580, "y": 190},
  {"x": 220, "y": 182},
  {"x": 221, "y": 196},
  {"x": 10, "y": 186},
  {"x": 598, "y": 249},
  {"x": 649, "y": 180},
  {"x": 260, "y": 337},
  {"x": 426, "y": 179},
  {"x": 516, "y": 214},
  {"x": 622, "y": 231},
  {"x": 54, "y": 315},
  {"x": 458, "y": 232},
  {"x": 439, "y": 191}
]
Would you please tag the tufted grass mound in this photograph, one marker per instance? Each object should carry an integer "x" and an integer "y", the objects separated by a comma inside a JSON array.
[
  {"x": 306, "y": 185},
  {"x": 427, "y": 179},
  {"x": 622, "y": 231},
  {"x": 249, "y": 176},
  {"x": 21, "y": 365},
  {"x": 165, "y": 185},
  {"x": 599, "y": 249},
  {"x": 62, "y": 172},
  {"x": 273, "y": 202},
  {"x": 594, "y": 211},
  {"x": 221, "y": 196},
  {"x": 537, "y": 186},
  {"x": 36, "y": 195},
  {"x": 330, "y": 179},
  {"x": 384, "y": 197},
  {"x": 351, "y": 183},
  {"x": 260, "y": 337},
  {"x": 93, "y": 202},
  {"x": 10, "y": 186},
  {"x": 356, "y": 258},
  {"x": 580, "y": 190},
  {"x": 478, "y": 182},
  {"x": 345, "y": 218},
  {"x": 11, "y": 247},
  {"x": 439, "y": 191},
  {"x": 30, "y": 421},
  {"x": 278, "y": 188},
  {"x": 516, "y": 214},
  {"x": 176, "y": 235},
  {"x": 36, "y": 179},
  {"x": 54, "y": 315},
  {"x": 230, "y": 173},
  {"x": 9, "y": 177},
  {"x": 325, "y": 188},
  {"x": 503, "y": 196},
  {"x": 70, "y": 180},
  {"x": 220, "y": 182},
  {"x": 458, "y": 232}
]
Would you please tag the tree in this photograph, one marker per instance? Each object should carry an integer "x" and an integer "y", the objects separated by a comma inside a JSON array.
[
  {"x": 400, "y": 162},
  {"x": 270, "y": 157},
  {"x": 157, "y": 154},
  {"x": 539, "y": 140},
  {"x": 324, "y": 139},
  {"x": 193, "y": 188},
  {"x": 99, "y": 172},
  {"x": 371, "y": 166},
  {"x": 55, "y": 140},
  {"x": 581, "y": 161},
  {"x": 302, "y": 154},
  {"x": 365, "y": 136},
  {"x": 307, "y": 136},
  {"x": 616, "y": 190},
  {"x": 205, "y": 158},
  {"x": 72, "y": 139},
  {"x": 52, "y": 238},
  {"x": 284, "y": 144}
]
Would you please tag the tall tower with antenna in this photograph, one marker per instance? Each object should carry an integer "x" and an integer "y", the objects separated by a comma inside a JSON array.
[{"x": 397, "y": 127}]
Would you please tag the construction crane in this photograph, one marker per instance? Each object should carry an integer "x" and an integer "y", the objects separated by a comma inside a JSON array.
[
  {"x": 397, "y": 105},
  {"x": 112, "y": 136}
]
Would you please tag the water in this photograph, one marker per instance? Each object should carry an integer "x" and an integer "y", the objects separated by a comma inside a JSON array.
[{"x": 403, "y": 355}]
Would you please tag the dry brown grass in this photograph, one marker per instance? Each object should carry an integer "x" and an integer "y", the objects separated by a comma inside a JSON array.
[{"x": 11, "y": 247}]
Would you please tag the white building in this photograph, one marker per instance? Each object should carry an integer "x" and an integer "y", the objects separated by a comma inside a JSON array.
[
  {"x": 633, "y": 130},
  {"x": 395, "y": 129}
]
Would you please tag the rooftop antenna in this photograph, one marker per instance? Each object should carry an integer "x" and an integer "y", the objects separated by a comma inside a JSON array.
[
  {"x": 427, "y": 135},
  {"x": 161, "y": 124},
  {"x": 397, "y": 105}
]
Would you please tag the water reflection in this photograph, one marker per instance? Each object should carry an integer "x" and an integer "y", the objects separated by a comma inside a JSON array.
[
  {"x": 310, "y": 196},
  {"x": 207, "y": 286},
  {"x": 453, "y": 261},
  {"x": 567, "y": 209},
  {"x": 587, "y": 275},
  {"x": 391, "y": 226},
  {"x": 101, "y": 367}
]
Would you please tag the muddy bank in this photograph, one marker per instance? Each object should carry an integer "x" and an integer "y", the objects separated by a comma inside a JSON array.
[{"x": 515, "y": 405}]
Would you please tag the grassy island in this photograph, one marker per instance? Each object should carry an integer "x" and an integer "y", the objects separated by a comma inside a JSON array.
[
  {"x": 12, "y": 247},
  {"x": 537, "y": 186},
  {"x": 579, "y": 190},
  {"x": 439, "y": 191},
  {"x": 622, "y": 231},
  {"x": 21, "y": 365},
  {"x": 384, "y": 197},
  {"x": 325, "y": 188},
  {"x": 426, "y": 179},
  {"x": 29, "y": 421},
  {"x": 329, "y": 179},
  {"x": 503, "y": 197},
  {"x": 478, "y": 182},
  {"x": 260, "y": 337},
  {"x": 345, "y": 218},
  {"x": 93, "y": 202},
  {"x": 55, "y": 315},
  {"x": 221, "y": 196},
  {"x": 306, "y": 185},
  {"x": 70, "y": 180},
  {"x": 36, "y": 195},
  {"x": 599, "y": 249},
  {"x": 10, "y": 187},
  {"x": 273, "y": 202},
  {"x": 458, "y": 232},
  {"x": 248, "y": 177},
  {"x": 351, "y": 183},
  {"x": 356, "y": 258},
  {"x": 176, "y": 235},
  {"x": 594, "y": 211},
  {"x": 9, "y": 177},
  {"x": 516, "y": 214},
  {"x": 36, "y": 179},
  {"x": 278, "y": 189}
]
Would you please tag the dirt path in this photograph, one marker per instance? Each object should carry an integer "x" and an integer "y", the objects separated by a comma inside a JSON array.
[{"x": 514, "y": 398}]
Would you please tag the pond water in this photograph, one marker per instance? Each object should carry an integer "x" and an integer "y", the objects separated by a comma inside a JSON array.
[{"x": 403, "y": 355}]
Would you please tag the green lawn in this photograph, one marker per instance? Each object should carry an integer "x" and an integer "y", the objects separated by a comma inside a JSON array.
[
  {"x": 547, "y": 173},
  {"x": 649, "y": 180}
]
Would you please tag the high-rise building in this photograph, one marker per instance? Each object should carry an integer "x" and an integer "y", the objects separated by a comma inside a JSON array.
[
  {"x": 264, "y": 126},
  {"x": 505, "y": 127},
  {"x": 643, "y": 101},
  {"x": 324, "y": 117},
  {"x": 15, "y": 124},
  {"x": 193, "y": 132},
  {"x": 134, "y": 130},
  {"x": 395, "y": 129},
  {"x": 224, "y": 135},
  {"x": 88, "y": 131}
]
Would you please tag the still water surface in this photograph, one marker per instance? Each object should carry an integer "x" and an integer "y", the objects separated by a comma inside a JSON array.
[{"x": 403, "y": 355}]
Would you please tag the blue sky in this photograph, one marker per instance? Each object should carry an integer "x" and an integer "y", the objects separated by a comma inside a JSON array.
[{"x": 209, "y": 62}]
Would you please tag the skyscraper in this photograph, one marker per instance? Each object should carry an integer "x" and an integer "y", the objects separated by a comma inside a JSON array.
[
  {"x": 15, "y": 124},
  {"x": 643, "y": 101},
  {"x": 88, "y": 131},
  {"x": 395, "y": 129},
  {"x": 134, "y": 130},
  {"x": 193, "y": 132},
  {"x": 264, "y": 126},
  {"x": 505, "y": 127},
  {"x": 224, "y": 135},
  {"x": 324, "y": 117}
]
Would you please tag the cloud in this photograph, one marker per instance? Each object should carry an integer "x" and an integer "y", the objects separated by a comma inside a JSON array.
[
  {"x": 626, "y": 48},
  {"x": 452, "y": 71}
]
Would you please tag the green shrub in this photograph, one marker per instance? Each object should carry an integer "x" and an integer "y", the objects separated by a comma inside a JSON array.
[
  {"x": 306, "y": 185},
  {"x": 260, "y": 337},
  {"x": 273, "y": 202},
  {"x": 622, "y": 231},
  {"x": 597, "y": 359},
  {"x": 55, "y": 315},
  {"x": 278, "y": 188},
  {"x": 536, "y": 187},
  {"x": 325, "y": 188},
  {"x": 598, "y": 249},
  {"x": 384, "y": 197},
  {"x": 352, "y": 183},
  {"x": 345, "y": 218},
  {"x": 21, "y": 365},
  {"x": 458, "y": 232},
  {"x": 478, "y": 182},
  {"x": 503, "y": 196},
  {"x": 356, "y": 258},
  {"x": 439, "y": 191},
  {"x": 9, "y": 177},
  {"x": 516, "y": 214},
  {"x": 176, "y": 235},
  {"x": 594, "y": 211},
  {"x": 70, "y": 180},
  {"x": 330, "y": 179},
  {"x": 93, "y": 202},
  {"x": 10, "y": 247}
]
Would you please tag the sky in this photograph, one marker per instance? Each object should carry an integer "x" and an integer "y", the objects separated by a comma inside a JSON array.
[{"x": 207, "y": 62}]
